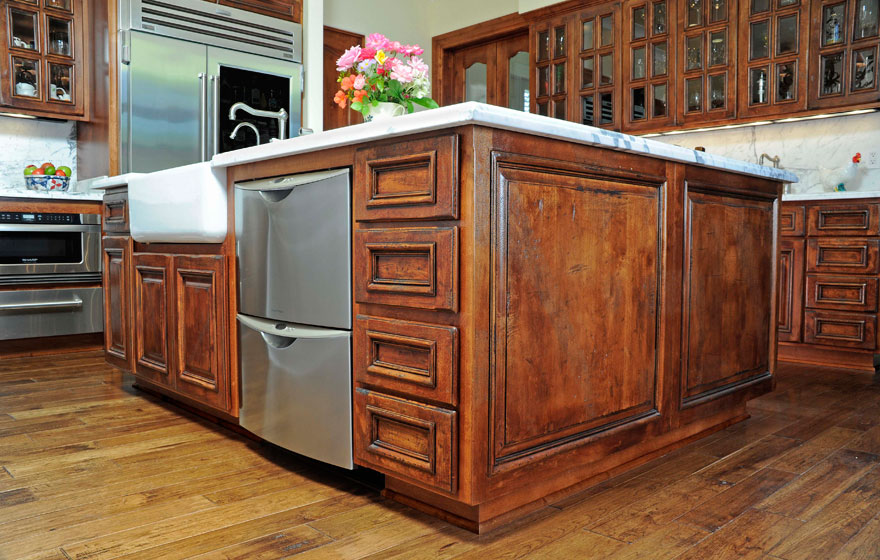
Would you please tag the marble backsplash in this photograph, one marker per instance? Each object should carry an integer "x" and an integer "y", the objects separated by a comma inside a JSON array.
[
  {"x": 811, "y": 149},
  {"x": 30, "y": 141}
]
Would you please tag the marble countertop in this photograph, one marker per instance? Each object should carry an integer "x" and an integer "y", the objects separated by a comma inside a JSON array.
[
  {"x": 494, "y": 117},
  {"x": 831, "y": 195},
  {"x": 115, "y": 181},
  {"x": 22, "y": 192}
]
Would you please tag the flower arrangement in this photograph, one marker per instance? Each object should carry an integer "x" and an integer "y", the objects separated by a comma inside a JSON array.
[{"x": 383, "y": 71}]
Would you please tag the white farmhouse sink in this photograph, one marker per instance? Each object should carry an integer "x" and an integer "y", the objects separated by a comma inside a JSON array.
[{"x": 179, "y": 205}]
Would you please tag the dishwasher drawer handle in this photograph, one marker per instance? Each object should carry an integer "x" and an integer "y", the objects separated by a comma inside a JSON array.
[
  {"x": 277, "y": 341},
  {"x": 289, "y": 330},
  {"x": 75, "y": 303}
]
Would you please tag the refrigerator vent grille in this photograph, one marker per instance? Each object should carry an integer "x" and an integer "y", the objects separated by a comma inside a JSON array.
[{"x": 209, "y": 24}]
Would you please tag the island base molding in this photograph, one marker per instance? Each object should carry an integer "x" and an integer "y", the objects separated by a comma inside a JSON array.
[
  {"x": 861, "y": 361},
  {"x": 504, "y": 509}
]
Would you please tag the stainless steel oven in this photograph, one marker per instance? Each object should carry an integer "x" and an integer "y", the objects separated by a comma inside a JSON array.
[{"x": 50, "y": 271}]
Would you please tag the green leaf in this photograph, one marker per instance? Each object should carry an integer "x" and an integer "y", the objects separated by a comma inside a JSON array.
[
  {"x": 375, "y": 102},
  {"x": 357, "y": 105},
  {"x": 426, "y": 102},
  {"x": 409, "y": 106}
]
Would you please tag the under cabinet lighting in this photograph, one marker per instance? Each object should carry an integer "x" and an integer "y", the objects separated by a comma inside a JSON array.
[
  {"x": 17, "y": 115},
  {"x": 759, "y": 123}
]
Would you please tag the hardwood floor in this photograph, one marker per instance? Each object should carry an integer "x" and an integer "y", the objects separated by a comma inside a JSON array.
[{"x": 91, "y": 468}]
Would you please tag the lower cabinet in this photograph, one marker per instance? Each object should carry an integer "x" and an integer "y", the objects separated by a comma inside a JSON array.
[
  {"x": 180, "y": 326},
  {"x": 790, "y": 297},
  {"x": 117, "y": 301}
]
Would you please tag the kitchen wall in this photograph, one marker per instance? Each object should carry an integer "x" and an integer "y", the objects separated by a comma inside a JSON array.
[
  {"x": 814, "y": 150},
  {"x": 30, "y": 141}
]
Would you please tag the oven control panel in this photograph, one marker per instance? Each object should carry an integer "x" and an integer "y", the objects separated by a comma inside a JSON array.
[{"x": 38, "y": 218}]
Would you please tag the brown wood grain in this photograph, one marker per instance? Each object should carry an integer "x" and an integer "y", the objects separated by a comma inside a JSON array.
[
  {"x": 118, "y": 327},
  {"x": 790, "y": 293},
  {"x": 336, "y": 42}
]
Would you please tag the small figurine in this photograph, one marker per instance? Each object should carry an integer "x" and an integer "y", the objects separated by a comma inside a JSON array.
[{"x": 848, "y": 173}]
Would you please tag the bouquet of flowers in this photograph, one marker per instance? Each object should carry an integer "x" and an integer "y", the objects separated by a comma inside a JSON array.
[{"x": 383, "y": 71}]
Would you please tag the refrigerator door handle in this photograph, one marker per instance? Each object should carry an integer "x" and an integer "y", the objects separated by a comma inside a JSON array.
[
  {"x": 203, "y": 117},
  {"x": 215, "y": 115},
  {"x": 290, "y": 331}
]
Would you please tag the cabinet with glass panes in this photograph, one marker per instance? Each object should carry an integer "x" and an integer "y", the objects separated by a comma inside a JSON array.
[
  {"x": 648, "y": 64},
  {"x": 41, "y": 46},
  {"x": 706, "y": 84},
  {"x": 843, "y": 53},
  {"x": 598, "y": 82},
  {"x": 551, "y": 42},
  {"x": 772, "y": 72}
]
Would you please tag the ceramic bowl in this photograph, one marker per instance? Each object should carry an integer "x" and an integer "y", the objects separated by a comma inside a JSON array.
[{"x": 47, "y": 183}]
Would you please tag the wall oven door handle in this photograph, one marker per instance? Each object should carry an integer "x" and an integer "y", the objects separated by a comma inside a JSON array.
[
  {"x": 75, "y": 303},
  {"x": 82, "y": 228}
]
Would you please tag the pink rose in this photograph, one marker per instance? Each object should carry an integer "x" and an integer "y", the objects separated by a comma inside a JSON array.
[
  {"x": 367, "y": 53},
  {"x": 348, "y": 58},
  {"x": 377, "y": 41},
  {"x": 395, "y": 46},
  {"x": 359, "y": 81},
  {"x": 418, "y": 65},
  {"x": 417, "y": 50},
  {"x": 402, "y": 73}
]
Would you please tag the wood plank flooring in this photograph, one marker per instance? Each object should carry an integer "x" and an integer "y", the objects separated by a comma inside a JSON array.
[{"x": 92, "y": 469}]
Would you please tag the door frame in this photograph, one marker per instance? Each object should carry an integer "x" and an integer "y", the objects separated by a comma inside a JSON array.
[{"x": 443, "y": 49}]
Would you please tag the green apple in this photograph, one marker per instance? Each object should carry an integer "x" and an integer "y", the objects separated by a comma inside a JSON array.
[
  {"x": 29, "y": 170},
  {"x": 67, "y": 170},
  {"x": 50, "y": 170}
]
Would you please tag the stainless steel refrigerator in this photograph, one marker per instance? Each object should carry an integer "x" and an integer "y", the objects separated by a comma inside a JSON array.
[{"x": 185, "y": 65}]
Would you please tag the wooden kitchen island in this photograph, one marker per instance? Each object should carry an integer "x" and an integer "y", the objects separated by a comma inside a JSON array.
[{"x": 538, "y": 305}]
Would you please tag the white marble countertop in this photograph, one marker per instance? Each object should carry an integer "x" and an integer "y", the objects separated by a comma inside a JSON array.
[
  {"x": 831, "y": 195},
  {"x": 115, "y": 181},
  {"x": 22, "y": 192},
  {"x": 495, "y": 117}
]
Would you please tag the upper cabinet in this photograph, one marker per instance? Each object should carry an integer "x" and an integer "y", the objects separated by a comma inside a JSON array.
[
  {"x": 844, "y": 42},
  {"x": 706, "y": 87},
  {"x": 42, "y": 49},
  {"x": 657, "y": 65},
  {"x": 649, "y": 64},
  {"x": 773, "y": 39}
]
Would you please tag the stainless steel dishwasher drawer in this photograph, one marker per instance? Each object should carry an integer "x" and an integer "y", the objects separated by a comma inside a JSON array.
[
  {"x": 296, "y": 388},
  {"x": 54, "y": 312}
]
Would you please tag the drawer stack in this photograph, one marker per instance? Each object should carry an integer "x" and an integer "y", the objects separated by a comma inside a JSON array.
[
  {"x": 829, "y": 267},
  {"x": 406, "y": 258}
]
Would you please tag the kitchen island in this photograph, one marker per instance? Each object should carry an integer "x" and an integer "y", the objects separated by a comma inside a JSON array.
[{"x": 537, "y": 305}]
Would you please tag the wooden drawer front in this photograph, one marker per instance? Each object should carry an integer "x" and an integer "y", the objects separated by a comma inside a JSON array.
[
  {"x": 791, "y": 221},
  {"x": 115, "y": 217},
  {"x": 853, "y": 330},
  {"x": 415, "y": 180},
  {"x": 844, "y": 219},
  {"x": 851, "y": 256},
  {"x": 405, "y": 438},
  {"x": 414, "y": 359},
  {"x": 843, "y": 293},
  {"x": 415, "y": 267}
]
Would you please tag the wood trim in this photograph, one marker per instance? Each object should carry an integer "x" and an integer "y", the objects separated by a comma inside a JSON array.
[
  {"x": 36, "y": 204},
  {"x": 442, "y": 47}
]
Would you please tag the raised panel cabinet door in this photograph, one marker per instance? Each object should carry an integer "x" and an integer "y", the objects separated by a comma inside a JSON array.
[
  {"x": 117, "y": 301},
  {"x": 575, "y": 292},
  {"x": 849, "y": 330},
  {"x": 838, "y": 220},
  {"x": 200, "y": 304},
  {"x": 790, "y": 296},
  {"x": 791, "y": 220},
  {"x": 410, "y": 440},
  {"x": 284, "y": 9},
  {"x": 152, "y": 312},
  {"x": 729, "y": 260}
]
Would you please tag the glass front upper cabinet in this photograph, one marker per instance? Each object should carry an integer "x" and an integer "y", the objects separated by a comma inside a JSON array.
[
  {"x": 844, "y": 52},
  {"x": 552, "y": 46},
  {"x": 647, "y": 64},
  {"x": 597, "y": 78},
  {"x": 773, "y": 65},
  {"x": 707, "y": 47}
]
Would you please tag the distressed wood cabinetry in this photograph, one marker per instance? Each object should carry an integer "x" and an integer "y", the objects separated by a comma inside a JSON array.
[
  {"x": 828, "y": 292},
  {"x": 166, "y": 314},
  {"x": 532, "y": 313}
]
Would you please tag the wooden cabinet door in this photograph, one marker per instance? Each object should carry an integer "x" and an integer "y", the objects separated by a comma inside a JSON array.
[
  {"x": 648, "y": 65},
  {"x": 844, "y": 39},
  {"x": 790, "y": 295},
  {"x": 285, "y": 9},
  {"x": 772, "y": 71},
  {"x": 117, "y": 301},
  {"x": 152, "y": 310},
  {"x": 552, "y": 54},
  {"x": 706, "y": 49},
  {"x": 337, "y": 42},
  {"x": 41, "y": 58},
  {"x": 495, "y": 73},
  {"x": 200, "y": 303},
  {"x": 596, "y": 67}
]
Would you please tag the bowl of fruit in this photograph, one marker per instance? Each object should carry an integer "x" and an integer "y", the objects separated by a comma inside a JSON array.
[{"x": 47, "y": 177}]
